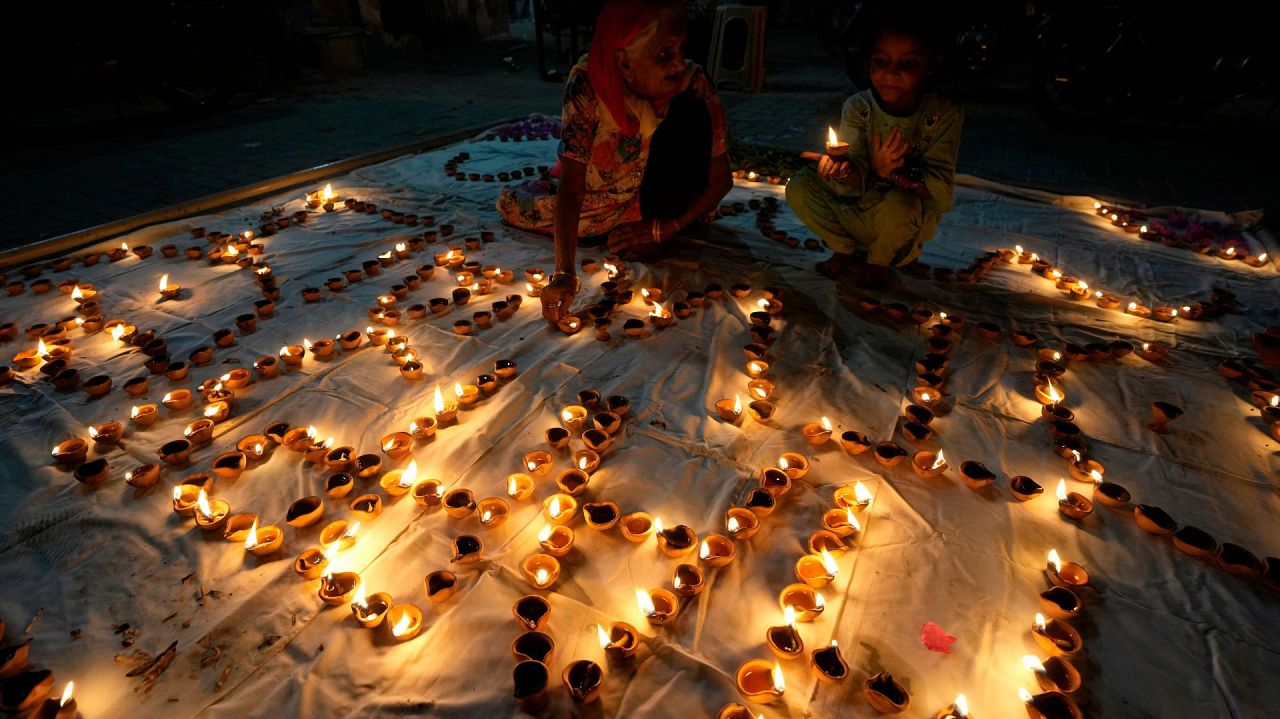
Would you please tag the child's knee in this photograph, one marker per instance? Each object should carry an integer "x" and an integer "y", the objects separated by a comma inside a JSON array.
[{"x": 799, "y": 190}]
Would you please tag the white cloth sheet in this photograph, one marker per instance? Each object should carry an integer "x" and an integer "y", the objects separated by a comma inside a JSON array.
[{"x": 1166, "y": 635}]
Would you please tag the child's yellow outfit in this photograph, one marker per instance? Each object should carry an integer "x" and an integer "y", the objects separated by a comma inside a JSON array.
[{"x": 874, "y": 220}]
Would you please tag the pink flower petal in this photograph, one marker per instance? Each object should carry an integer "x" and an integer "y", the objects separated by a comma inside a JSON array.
[{"x": 935, "y": 638}]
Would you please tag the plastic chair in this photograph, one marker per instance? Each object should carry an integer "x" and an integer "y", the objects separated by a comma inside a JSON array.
[{"x": 737, "y": 46}]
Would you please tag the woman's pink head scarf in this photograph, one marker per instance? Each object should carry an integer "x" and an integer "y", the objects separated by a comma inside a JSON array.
[{"x": 619, "y": 22}]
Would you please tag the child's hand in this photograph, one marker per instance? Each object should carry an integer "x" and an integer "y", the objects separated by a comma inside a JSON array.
[
  {"x": 829, "y": 169},
  {"x": 888, "y": 154}
]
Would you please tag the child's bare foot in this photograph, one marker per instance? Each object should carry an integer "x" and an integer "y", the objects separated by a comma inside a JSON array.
[{"x": 834, "y": 266}]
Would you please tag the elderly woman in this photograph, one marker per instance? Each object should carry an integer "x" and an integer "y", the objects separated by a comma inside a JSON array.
[{"x": 643, "y": 151}]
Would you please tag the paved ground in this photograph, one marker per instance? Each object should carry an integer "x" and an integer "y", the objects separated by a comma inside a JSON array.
[{"x": 107, "y": 160}]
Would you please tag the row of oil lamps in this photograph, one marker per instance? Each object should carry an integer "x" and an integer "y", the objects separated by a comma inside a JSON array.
[{"x": 1127, "y": 220}]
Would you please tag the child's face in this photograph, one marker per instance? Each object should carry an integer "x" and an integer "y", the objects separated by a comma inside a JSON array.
[{"x": 899, "y": 65}]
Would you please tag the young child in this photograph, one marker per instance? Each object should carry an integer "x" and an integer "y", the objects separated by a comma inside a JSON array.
[{"x": 879, "y": 204}]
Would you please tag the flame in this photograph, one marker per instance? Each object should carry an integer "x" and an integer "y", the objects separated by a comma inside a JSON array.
[
  {"x": 439, "y": 403},
  {"x": 763, "y": 303},
  {"x": 832, "y": 139},
  {"x": 1275, "y": 400},
  {"x": 737, "y": 404},
  {"x": 545, "y": 533},
  {"x": 124, "y": 246},
  {"x": 1054, "y": 394},
  {"x": 1055, "y": 274},
  {"x": 1040, "y": 627},
  {"x": 413, "y": 427},
  {"x": 327, "y": 443},
  {"x": 862, "y": 494},
  {"x": 732, "y": 525},
  {"x": 1033, "y": 664},
  {"x": 1133, "y": 306},
  {"x": 93, "y": 432},
  {"x": 926, "y": 397},
  {"x": 826, "y": 424},
  {"x": 306, "y": 343},
  {"x": 232, "y": 251},
  {"x": 1231, "y": 251},
  {"x": 554, "y": 507},
  {"x": 211, "y": 411},
  {"x": 1083, "y": 286},
  {"x": 819, "y": 602},
  {"x": 540, "y": 576},
  {"x": 167, "y": 397},
  {"x": 1262, "y": 257},
  {"x": 327, "y": 193},
  {"x": 409, "y": 475},
  {"x": 202, "y": 504},
  {"x": 1076, "y": 454},
  {"x": 603, "y": 637},
  {"x": 1054, "y": 560},
  {"x": 1018, "y": 249},
  {"x": 851, "y": 520},
  {"x": 66, "y": 694},
  {"x": 566, "y": 415},
  {"x": 401, "y": 626},
  {"x": 704, "y": 550},
  {"x": 779, "y": 685},
  {"x": 250, "y": 539},
  {"x": 940, "y": 461},
  {"x": 962, "y": 706},
  {"x": 164, "y": 283},
  {"x": 1174, "y": 313},
  {"x": 41, "y": 348},
  {"x": 659, "y": 311},
  {"x": 486, "y": 516},
  {"x": 1024, "y": 695},
  {"x": 755, "y": 367},
  {"x": 358, "y": 600},
  {"x": 177, "y": 491},
  {"x": 1115, "y": 216},
  {"x": 829, "y": 564},
  {"x": 77, "y": 294},
  {"x": 1142, "y": 229},
  {"x": 783, "y": 464},
  {"x": 677, "y": 582},
  {"x": 757, "y": 391},
  {"x": 1062, "y": 490},
  {"x": 1096, "y": 475},
  {"x": 311, "y": 432},
  {"x": 1146, "y": 346},
  {"x": 1098, "y": 294},
  {"x": 133, "y": 412},
  {"x": 789, "y": 616},
  {"x": 645, "y": 602},
  {"x": 284, "y": 350},
  {"x": 657, "y": 526},
  {"x": 257, "y": 448},
  {"x": 79, "y": 322},
  {"x": 582, "y": 463}
]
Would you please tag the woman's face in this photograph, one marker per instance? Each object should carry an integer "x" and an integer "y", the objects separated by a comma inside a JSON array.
[
  {"x": 899, "y": 65},
  {"x": 653, "y": 64}
]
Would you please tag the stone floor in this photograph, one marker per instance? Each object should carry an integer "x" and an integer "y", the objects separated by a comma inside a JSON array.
[{"x": 114, "y": 157}]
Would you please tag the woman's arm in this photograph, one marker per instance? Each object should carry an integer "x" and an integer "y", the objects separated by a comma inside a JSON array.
[
  {"x": 719, "y": 182},
  {"x": 558, "y": 295}
]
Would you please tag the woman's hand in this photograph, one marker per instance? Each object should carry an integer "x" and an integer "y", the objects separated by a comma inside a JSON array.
[
  {"x": 632, "y": 240},
  {"x": 558, "y": 295},
  {"x": 888, "y": 154}
]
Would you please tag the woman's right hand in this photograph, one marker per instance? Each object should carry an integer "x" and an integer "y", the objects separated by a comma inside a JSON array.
[
  {"x": 558, "y": 296},
  {"x": 829, "y": 169}
]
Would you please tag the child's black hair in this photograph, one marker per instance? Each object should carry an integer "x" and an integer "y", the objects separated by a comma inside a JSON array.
[{"x": 920, "y": 19}]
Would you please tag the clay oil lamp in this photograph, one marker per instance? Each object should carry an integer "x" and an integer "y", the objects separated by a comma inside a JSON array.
[
  {"x": 761, "y": 501},
  {"x": 828, "y": 664},
  {"x": 1194, "y": 541},
  {"x": 916, "y": 432},
  {"x": 1024, "y": 488},
  {"x": 444, "y": 412},
  {"x": 399, "y": 481},
  {"x": 229, "y": 465},
  {"x": 636, "y": 527},
  {"x": 1154, "y": 520},
  {"x": 807, "y": 603},
  {"x": 741, "y": 523},
  {"x": 530, "y": 680},
  {"x": 169, "y": 291},
  {"x": 976, "y": 475},
  {"x": 1050, "y": 705},
  {"x": 784, "y": 639},
  {"x": 601, "y": 516},
  {"x": 796, "y": 465},
  {"x": 1065, "y": 574},
  {"x": 559, "y": 508},
  {"x": 304, "y": 512},
  {"x": 687, "y": 581},
  {"x": 339, "y": 485},
  {"x": 541, "y": 570},
  {"x": 428, "y": 493},
  {"x": 573, "y": 417},
  {"x": 856, "y": 497},
  {"x": 322, "y": 348},
  {"x": 1162, "y": 413},
  {"x": 411, "y": 370},
  {"x": 210, "y": 516},
  {"x": 1235, "y": 559},
  {"x": 1048, "y": 393},
  {"x": 556, "y": 540},
  {"x": 888, "y": 454},
  {"x": 929, "y": 465},
  {"x": 557, "y": 437},
  {"x": 775, "y": 481},
  {"x": 538, "y": 462},
  {"x": 25, "y": 693},
  {"x": 886, "y": 694},
  {"x": 659, "y": 606},
  {"x": 760, "y": 681},
  {"x": 1083, "y": 469},
  {"x": 1056, "y": 637},
  {"x": 1060, "y": 603},
  {"x": 467, "y": 549},
  {"x": 1073, "y": 505},
  {"x": 533, "y": 646},
  {"x": 175, "y": 453},
  {"x": 1054, "y": 674},
  {"x": 199, "y": 432},
  {"x": 422, "y": 428},
  {"x": 264, "y": 541},
  {"x": 660, "y": 316},
  {"x": 142, "y": 476},
  {"x": 397, "y": 445},
  {"x": 817, "y": 433},
  {"x": 926, "y": 396},
  {"x": 459, "y": 503},
  {"x": 760, "y": 389},
  {"x": 492, "y": 511},
  {"x": 369, "y": 611},
  {"x": 854, "y": 443},
  {"x": 1109, "y": 494},
  {"x": 519, "y": 486},
  {"x": 310, "y": 564},
  {"x": 841, "y": 522},
  {"x": 716, "y": 551},
  {"x": 677, "y": 541},
  {"x": 92, "y": 473}
]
